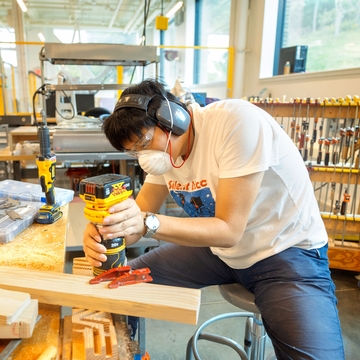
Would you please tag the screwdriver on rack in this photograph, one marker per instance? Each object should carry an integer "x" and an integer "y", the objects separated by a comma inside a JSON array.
[
  {"x": 307, "y": 137},
  {"x": 335, "y": 155},
  {"x": 292, "y": 125},
  {"x": 356, "y": 147},
  {"x": 346, "y": 200},
  {"x": 327, "y": 150},
  {"x": 336, "y": 207},
  {"x": 342, "y": 137},
  {"x": 314, "y": 134},
  {"x": 319, "y": 158},
  {"x": 349, "y": 134}
]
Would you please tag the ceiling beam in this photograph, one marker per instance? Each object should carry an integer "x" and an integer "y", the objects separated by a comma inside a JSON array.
[
  {"x": 134, "y": 18},
  {"x": 135, "y": 26},
  {"x": 115, "y": 14}
]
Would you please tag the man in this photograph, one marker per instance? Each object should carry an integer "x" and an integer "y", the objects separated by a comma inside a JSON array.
[{"x": 253, "y": 218}]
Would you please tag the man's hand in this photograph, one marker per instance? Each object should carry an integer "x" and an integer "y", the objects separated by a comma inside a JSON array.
[{"x": 94, "y": 251}]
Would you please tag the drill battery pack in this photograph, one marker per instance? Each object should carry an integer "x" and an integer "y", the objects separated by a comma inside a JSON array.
[{"x": 101, "y": 192}]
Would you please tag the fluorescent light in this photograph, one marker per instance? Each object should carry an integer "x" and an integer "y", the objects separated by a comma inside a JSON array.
[
  {"x": 22, "y": 5},
  {"x": 174, "y": 9},
  {"x": 41, "y": 36}
]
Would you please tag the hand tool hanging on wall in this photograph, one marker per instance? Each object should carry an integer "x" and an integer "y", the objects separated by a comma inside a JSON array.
[
  {"x": 307, "y": 137},
  {"x": 348, "y": 134},
  {"x": 293, "y": 123},
  {"x": 335, "y": 156},
  {"x": 327, "y": 151},
  {"x": 319, "y": 158},
  {"x": 346, "y": 200}
]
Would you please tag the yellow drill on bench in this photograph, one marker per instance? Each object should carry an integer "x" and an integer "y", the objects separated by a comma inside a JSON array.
[{"x": 100, "y": 193}]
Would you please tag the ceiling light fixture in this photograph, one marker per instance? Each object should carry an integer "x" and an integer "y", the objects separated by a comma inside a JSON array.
[
  {"x": 22, "y": 5},
  {"x": 177, "y": 6},
  {"x": 41, "y": 36}
]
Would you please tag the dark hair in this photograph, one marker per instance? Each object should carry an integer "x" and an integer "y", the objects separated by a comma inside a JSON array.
[{"x": 127, "y": 124}]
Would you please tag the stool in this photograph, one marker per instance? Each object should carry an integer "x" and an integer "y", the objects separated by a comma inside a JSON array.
[{"x": 255, "y": 334}]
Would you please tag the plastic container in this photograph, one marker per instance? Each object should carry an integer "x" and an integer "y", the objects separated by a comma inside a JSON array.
[
  {"x": 19, "y": 190},
  {"x": 9, "y": 228}
]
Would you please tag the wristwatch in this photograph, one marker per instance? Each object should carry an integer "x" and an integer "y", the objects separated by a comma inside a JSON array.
[{"x": 151, "y": 223}]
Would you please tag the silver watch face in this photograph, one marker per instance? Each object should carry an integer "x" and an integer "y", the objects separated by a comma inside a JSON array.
[{"x": 152, "y": 222}]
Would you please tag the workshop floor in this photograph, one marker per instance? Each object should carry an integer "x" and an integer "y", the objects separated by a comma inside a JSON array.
[{"x": 168, "y": 341}]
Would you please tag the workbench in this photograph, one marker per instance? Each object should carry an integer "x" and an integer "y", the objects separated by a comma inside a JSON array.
[
  {"x": 40, "y": 247},
  {"x": 37, "y": 255}
]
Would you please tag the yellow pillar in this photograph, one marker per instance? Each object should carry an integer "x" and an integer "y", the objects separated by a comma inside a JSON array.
[
  {"x": 119, "y": 72},
  {"x": 2, "y": 99},
  {"x": 230, "y": 72}
]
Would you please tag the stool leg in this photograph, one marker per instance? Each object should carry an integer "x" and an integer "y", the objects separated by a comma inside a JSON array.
[
  {"x": 192, "y": 349},
  {"x": 189, "y": 352},
  {"x": 248, "y": 336},
  {"x": 258, "y": 339}
]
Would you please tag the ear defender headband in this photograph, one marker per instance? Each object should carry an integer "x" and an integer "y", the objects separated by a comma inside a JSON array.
[{"x": 171, "y": 114}]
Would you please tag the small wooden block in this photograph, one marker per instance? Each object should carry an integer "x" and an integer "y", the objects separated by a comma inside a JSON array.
[
  {"x": 23, "y": 326},
  {"x": 12, "y": 303}
]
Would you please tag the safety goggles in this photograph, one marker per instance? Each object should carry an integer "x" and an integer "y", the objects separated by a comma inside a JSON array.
[{"x": 142, "y": 144}]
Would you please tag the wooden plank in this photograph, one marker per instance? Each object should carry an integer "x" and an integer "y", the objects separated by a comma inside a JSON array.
[
  {"x": 144, "y": 300},
  {"x": 12, "y": 304},
  {"x": 344, "y": 258},
  {"x": 23, "y": 326}
]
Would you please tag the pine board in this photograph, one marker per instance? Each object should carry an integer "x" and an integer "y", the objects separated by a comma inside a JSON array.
[
  {"x": 144, "y": 300},
  {"x": 23, "y": 326},
  {"x": 12, "y": 303}
]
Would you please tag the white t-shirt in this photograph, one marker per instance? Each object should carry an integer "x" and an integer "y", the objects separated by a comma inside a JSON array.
[{"x": 236, "y": 138}]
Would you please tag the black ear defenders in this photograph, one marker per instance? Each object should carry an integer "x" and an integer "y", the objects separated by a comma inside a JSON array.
[{"x": 171, "y": 114}]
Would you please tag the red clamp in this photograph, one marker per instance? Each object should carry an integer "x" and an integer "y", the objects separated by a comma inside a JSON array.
[{"x": 121, "y": 276}]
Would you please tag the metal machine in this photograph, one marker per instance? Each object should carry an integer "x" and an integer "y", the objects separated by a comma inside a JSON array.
[{"x": 88, "y": 131}]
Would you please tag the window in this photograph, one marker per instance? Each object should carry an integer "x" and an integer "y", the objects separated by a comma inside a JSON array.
[
  {"x": 8, "y": 51},
  {"x": 212, "y": 25},
  {"x": 330, "y": 29}
]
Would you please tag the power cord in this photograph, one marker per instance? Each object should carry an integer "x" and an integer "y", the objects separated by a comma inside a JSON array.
[{"x": 40, "y": 90}]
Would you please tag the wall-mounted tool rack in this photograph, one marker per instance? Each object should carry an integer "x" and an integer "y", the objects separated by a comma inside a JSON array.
[{"x": 326, "y": 132}]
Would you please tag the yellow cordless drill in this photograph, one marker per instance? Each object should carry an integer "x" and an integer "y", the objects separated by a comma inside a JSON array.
[
  {"x": 100, "y": 193},
  {"x": 46, "y": 164}
]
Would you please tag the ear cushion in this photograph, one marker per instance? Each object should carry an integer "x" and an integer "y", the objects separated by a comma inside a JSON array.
[{"x": 180, "y": 117}]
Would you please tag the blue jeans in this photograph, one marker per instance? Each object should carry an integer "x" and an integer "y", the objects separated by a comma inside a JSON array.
[{"x": 293, "y": 290}]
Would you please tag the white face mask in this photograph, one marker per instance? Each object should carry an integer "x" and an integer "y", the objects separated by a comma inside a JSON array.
[{"x": 155, "y": 162}]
